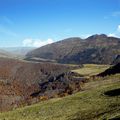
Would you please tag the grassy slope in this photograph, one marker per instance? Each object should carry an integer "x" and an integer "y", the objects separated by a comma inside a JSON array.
[
  {"x": 90, "y": 104},
  {"x": 91, "y": 69}
]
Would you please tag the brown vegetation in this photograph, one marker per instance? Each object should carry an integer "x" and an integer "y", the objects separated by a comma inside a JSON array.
[{"x": 24, "y": 83}]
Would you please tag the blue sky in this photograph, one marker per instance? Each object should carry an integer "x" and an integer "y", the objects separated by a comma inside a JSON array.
[{"x": 38, "y": 22}]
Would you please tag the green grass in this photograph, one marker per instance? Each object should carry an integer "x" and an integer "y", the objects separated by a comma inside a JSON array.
[
  {"x": 91, "y": 69},
  {"x": 90, "y": 104}
]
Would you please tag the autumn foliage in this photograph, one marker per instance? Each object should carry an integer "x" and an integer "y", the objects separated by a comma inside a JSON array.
[{"x": 23, "y": 83}]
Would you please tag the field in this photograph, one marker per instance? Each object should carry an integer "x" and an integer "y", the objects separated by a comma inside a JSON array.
[
  {"x": 91, "y": 69},
  {"x": 90, "y": 104}
]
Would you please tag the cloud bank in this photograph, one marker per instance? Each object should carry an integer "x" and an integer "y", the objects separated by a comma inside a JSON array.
[{"x": 29, "y": 42}]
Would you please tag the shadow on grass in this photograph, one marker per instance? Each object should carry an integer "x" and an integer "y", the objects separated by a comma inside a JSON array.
[
  {"x": 115, "y": 118},
  {"x": 114, "y": 92}
]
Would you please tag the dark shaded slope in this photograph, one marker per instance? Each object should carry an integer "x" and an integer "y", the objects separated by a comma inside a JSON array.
[
  {"x": 112, "y": 93},
  {"x": 56, "y": 51},
  {"x": 98, "y": 49},
  {"x": 111, "y": 71},
  {"x": 117, "y": 59}
]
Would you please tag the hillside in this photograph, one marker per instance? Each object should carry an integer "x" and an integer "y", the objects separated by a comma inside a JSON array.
[
  {"x": 116, "y": 60},
  {"x": 23, "y": 83},
  {"x": 94, "y": 103},
  {"x": 111, "y": 71},
  {"x": 6, "y": 54},
  {"x": 99, "y": 49}
]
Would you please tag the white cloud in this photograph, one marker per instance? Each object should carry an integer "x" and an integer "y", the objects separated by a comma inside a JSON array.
[
  {"x": 85, "y": 36},
  {"x": 29, "y": 42},
  {"x": 112, "y": 35},
  {"x": 116, "y": 33},
  {"x": 118, "y": 29}
]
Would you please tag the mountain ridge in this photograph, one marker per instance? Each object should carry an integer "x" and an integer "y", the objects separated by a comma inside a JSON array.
[{"x": 99, "y": 49}]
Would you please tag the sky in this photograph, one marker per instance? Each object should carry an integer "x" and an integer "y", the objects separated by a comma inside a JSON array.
[{"x": 34, "y": 23}]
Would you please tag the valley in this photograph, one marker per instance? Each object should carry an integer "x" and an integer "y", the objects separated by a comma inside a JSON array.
[
  {"x": 72, "y": 79},
  {"x": 91, "y": 103},
  {"x": 59, "y": 59}
]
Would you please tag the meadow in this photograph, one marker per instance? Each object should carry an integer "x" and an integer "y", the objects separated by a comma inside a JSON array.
[{"x": 89, "y": 104}]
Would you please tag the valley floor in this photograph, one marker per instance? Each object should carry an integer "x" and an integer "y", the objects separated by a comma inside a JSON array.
[{"x": 90, "y": 104}]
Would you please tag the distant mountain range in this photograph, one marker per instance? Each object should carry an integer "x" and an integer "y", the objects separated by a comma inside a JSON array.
[
  {"x": 14, "y": 52},
  {"x": 5, "y": 53},
  {"x": 18, "y": 50},
  {"x": 99, "y": 49}
]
